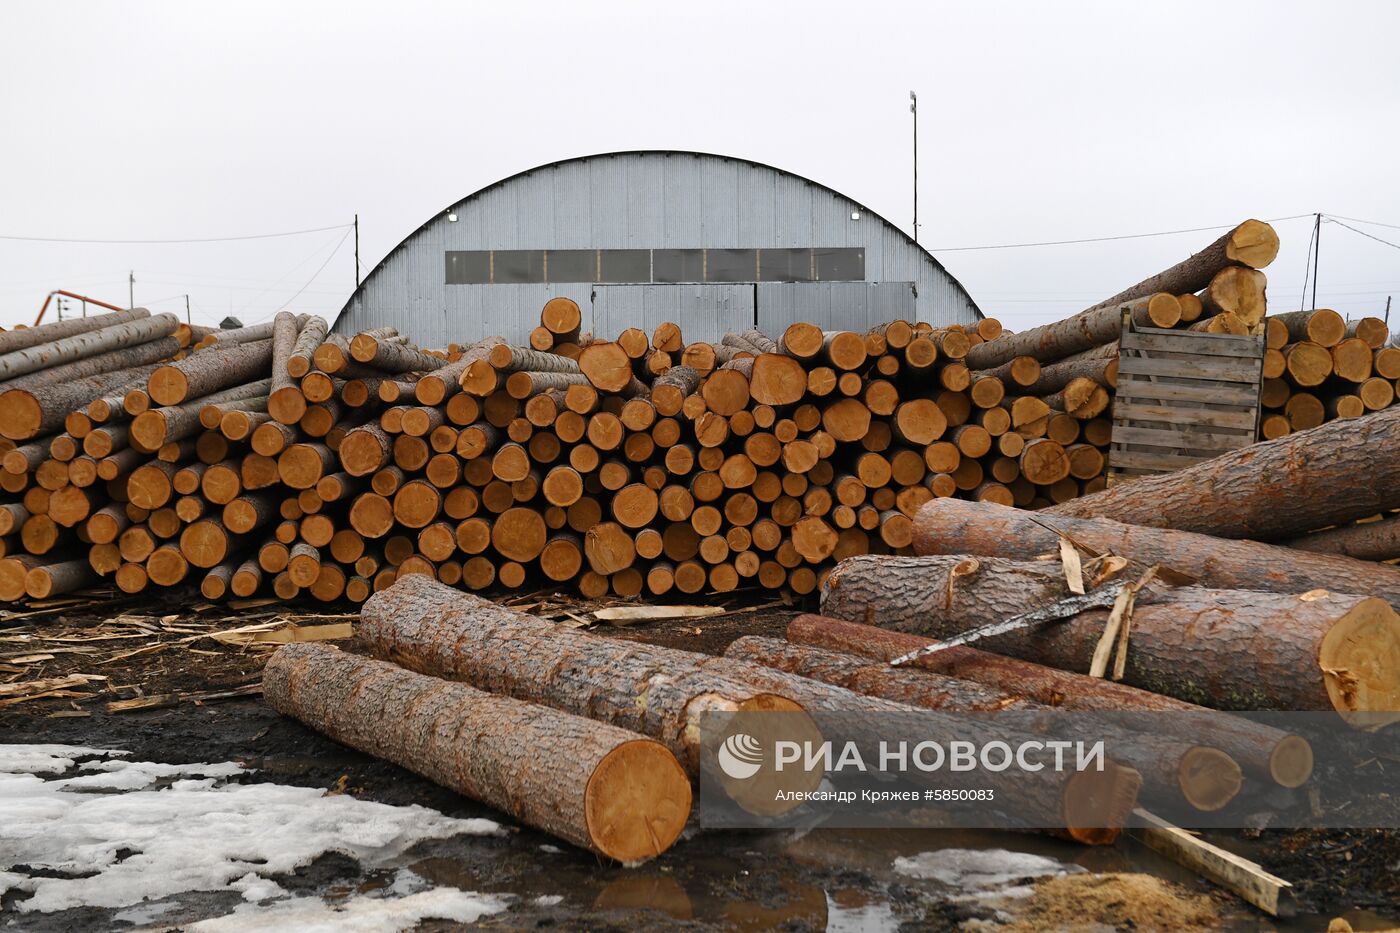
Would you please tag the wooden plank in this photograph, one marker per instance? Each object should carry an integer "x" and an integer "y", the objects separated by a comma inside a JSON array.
[
  {"x": 1160, "y": 463},
  {"x": 1130, "y": 411},
  {"x": 1241, "y": 341},
  {"x": 1203, "y": 344},
  {"x": 1238, "y": 395},
  {"x": 1224, "y": 369},
  {"x": 1251, "y": 882},
  {"x": 1179, "y": 438}
]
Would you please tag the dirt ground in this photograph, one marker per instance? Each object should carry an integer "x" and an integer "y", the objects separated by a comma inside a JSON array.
[{"x": 174, "y": 693}]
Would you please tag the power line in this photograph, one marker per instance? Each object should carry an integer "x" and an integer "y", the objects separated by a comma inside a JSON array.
[
  {"x": 212, "y": 239},
  {"x": 1103, "y": 239},
  {"x": 1368, "y": 236},
  {"x": 319, "y": 270},
  {"x": 1357, "y": 220}
]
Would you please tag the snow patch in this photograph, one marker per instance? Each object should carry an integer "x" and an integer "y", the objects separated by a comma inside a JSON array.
[
  {"x": 549, "y": 900},
  {"x": 360, "y": 913},
  {"x": 982, "y": 871},
  {"x": 142, "y": 914},
  {"x": 45, "y": 759},
  {"x": 146, "y": 844}
]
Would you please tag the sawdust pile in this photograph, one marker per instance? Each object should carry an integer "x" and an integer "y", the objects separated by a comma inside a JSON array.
[{"x": 1113, "y": 901}]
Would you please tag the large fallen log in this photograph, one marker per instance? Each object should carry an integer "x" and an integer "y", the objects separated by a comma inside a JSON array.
[
  {"x": 434, "y": 629},
  {"x": 1339, "y": 472},
  {"x": 954, "y": 526},
  {"x": 1205, "y": 777},
  {"x": 1253, "y": 243},
  {"x": 1369, "y": 541},
  {"x": 1226, "y": 649},
  {"x": 598, "y": 787},
  {"x": 1265, "y": 752}
]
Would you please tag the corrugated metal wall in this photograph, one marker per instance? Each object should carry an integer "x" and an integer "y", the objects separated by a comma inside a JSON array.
[{"x": 652, "y": 200}]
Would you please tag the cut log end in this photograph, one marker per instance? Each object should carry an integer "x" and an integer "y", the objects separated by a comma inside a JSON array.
[
  {"x": 636, "y": 802},
  {"x": 1291, "y": 762},
  {"x": 1097, "y": 803},
  {"x": 1360, "y": 661},
  {"x": 1253, "y": 243},
  {"x": 1208, "y": 778}
]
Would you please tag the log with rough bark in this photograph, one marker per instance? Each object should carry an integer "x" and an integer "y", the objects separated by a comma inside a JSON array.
[
  {"x": 1268, "y": 753},
  {"x": 88, "y": 344},
  {"x": 1377, "y": 540},
  {"x": 1227, "y": 649},
  {"x": 954, "y": 527},
  {"x": 210, "y": 370},
  {"x": 1202, "y": 775},
  {"x": 25, "y": 337},
  {"x": 434, "y": 629},
  {"x": 1253, "y": 244},
  {"x": 604, "y": 789},
  {"x": 1097, "y": 325},
  {"x": 391, "y": 355},
  {"x": 28, "y": 413},
  {"x": 1338, "y": 472},
  {"x": 311, "y": 334}
]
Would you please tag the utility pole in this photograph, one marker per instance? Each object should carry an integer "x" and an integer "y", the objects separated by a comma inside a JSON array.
[
  {"x": 131, "y": 289},
  {"x": 1317, "y": 231},
  {"x": 187, "y": 310},
  {"x": 357, "y": 250},
  {"x": 914, "y": 109}
]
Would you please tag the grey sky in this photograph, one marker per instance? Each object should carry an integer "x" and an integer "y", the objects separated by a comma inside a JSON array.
[{"x": 1039, "y": 121}]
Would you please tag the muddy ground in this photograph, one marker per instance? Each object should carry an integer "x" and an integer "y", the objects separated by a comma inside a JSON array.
[{"x": 749, "y": 881}]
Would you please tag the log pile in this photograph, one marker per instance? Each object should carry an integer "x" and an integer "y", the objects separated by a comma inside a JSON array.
[
  {"x": 1320, "y": 368},
  {"x": 286, "y": 458}
]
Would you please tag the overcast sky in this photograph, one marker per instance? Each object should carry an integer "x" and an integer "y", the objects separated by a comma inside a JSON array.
[{"x": 1039, "y": 121}]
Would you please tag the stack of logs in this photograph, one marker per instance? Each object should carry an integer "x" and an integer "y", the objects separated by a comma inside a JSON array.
[
  {"x": 285, "y": 457},
  {"x": 1319, "y": 367}
]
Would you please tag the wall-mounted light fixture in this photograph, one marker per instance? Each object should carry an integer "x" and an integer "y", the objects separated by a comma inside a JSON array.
[
  {"x": 855, "y": 215},
  {"x": 452, "y": 217}
]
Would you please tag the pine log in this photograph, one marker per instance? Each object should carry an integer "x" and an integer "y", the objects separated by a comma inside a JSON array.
[
  {"x": 951, "y": 526},
  {"x": 1335, "y": 473},
  {"x": 1202, "y": 775},
  {"x": 1321, "y": 326},
  {"x": 1239, "y": 291},
  {"x": 1227, "y": 649},
  {"x": 1055, "y": 377},
  {"x": 445, "y": 381},
  {"x": 608, "y": 790},
  {"x": 660, "y": 692},
  {"x": 85, "y": 345},
  {"x": 26, "y": 337},
  {"x": 1097, "y": 325},
  {"x": 1367, "y": 541},
  {"x": 1253, "y": 243},
  {"x": 27, "y": 413},
  {"x": 1265, "y": 752},
  {"x": 311, "y": 334},
  {"x": 391, "y": 356},
  {"x": 208, "y": 371}
]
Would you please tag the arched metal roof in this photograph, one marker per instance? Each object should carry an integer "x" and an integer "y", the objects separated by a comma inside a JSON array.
[{"x": 657, "y": 152}]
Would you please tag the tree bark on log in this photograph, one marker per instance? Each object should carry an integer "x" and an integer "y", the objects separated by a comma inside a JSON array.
[
  {"x": 1202, "y": 775},
  {"x": 1090, "y": 328},
  {"x": 1253, "y": 243},
  {"x": 208, "y": 371},
  {"x": 27, "y": 413},
  {"x": 312, "y": 333},
  {"x": 437, "y": 385},
  {"x": 1282, "y": 488},
  {"x": 24, "y": 338},
  {"x": 1366, "y": 541},
  {"x": 606, "y": 790},
  {"x": 1268, "y": 753},
  {"x": 85, "y": 345},
  {"x": 391, "y": 357},
  {"x": 434, "y": 629},
  {"x": 286, "y": 404},
  {"x": 1226, "y": 649},
  {"x": 956, "y": 527}
]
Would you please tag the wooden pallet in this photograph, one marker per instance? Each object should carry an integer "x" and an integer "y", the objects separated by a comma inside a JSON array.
[{"x": 1182, "y": 397}]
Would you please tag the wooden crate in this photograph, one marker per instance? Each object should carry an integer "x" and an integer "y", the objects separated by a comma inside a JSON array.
[{"x": 1182, "y": 397}]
